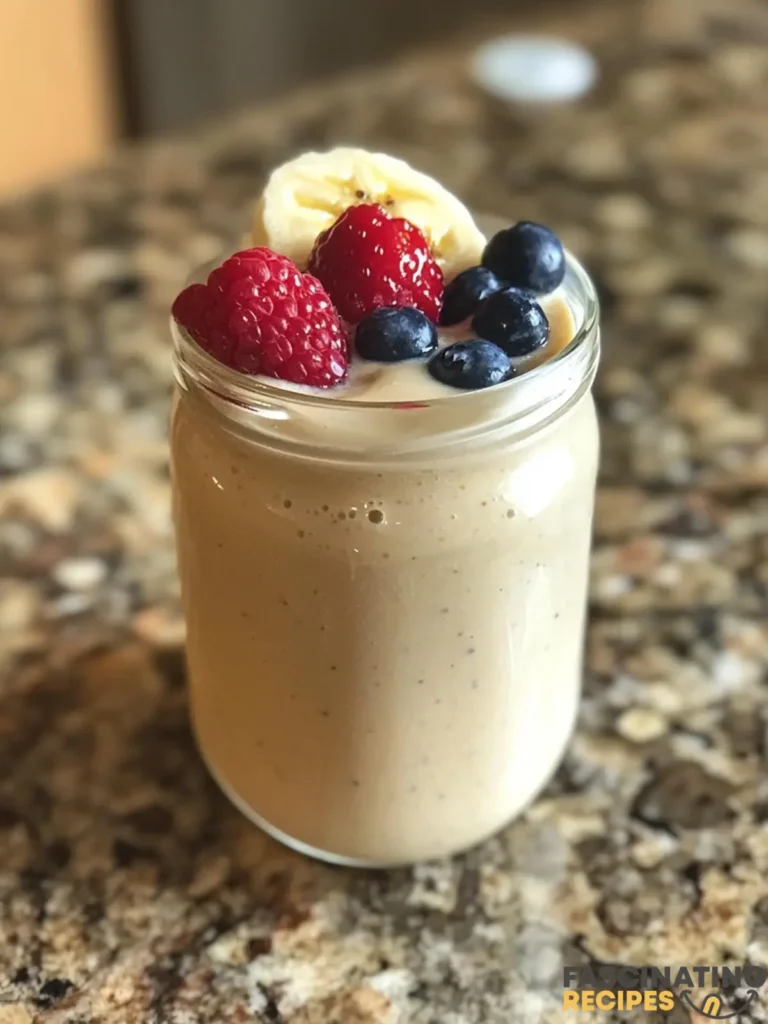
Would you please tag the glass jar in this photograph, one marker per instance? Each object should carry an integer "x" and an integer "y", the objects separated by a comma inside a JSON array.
[{"x": 385, "y": 603}]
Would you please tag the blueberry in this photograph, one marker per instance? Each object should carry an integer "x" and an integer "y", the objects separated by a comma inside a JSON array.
[
  {"x": 391, "y": 334},
  {"x": 513, "y": 320},
  {"x": 527, "y": 255},
  {"x": 470, "y": 365},
  {"x": 465, "y": 293}
]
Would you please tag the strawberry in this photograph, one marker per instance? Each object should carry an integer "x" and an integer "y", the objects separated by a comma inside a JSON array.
[{"x": 367, "y": 259}]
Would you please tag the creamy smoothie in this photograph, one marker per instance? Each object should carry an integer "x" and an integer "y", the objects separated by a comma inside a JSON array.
[{"x": 384, "y": 574}]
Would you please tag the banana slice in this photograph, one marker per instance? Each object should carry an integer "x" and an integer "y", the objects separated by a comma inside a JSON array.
[{"x": 305, "y": 196}]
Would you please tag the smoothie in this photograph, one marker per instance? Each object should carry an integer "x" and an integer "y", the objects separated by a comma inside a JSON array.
[{"x": 384, "y": 577}]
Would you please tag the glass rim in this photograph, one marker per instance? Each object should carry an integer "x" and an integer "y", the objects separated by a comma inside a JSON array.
[{"x": 246, "y": 391}]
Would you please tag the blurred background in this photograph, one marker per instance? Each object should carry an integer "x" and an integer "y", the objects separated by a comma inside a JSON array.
[{"x": 94, "y": 71}]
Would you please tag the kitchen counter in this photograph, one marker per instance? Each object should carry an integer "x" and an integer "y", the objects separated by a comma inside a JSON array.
[{"x": 129, "y": 889}]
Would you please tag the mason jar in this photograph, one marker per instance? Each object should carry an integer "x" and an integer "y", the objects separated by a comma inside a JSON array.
[{"x": 385, "y": 602}]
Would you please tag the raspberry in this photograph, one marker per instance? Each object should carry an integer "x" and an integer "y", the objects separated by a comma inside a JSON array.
[
  {"x": 367, "y": 259},
  {"x": 260, "y": 315}
]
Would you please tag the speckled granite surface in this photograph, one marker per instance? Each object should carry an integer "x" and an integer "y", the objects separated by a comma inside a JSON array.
[{"x": 129, "y": 889}]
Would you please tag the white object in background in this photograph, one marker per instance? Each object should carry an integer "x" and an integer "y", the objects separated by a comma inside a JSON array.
[{"x": 534, "y": 69}]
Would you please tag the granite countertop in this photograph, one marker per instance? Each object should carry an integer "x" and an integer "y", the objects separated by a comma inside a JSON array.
[{"x": 129, "y": 889}]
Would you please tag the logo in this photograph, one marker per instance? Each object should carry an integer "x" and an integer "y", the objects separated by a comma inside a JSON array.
[
  {"x": 714, "y": 993},
  {"x": 715, "y": 1007}
]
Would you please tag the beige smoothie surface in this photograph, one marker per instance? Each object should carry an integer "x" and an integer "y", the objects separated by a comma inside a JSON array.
[
  {"x": 385, "y": 661},
  {"x": 409, "y": 380}
]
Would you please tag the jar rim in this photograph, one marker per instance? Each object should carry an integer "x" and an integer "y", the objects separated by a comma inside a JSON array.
[{"x": 225, "y": 383}]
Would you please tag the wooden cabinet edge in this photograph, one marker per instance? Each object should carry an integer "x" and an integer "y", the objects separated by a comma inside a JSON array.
[{"x": 57, "y": 89}]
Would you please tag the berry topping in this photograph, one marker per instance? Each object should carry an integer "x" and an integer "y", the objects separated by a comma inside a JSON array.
[
  {"x": 471, "y": 365},
  {"x": 465, "y": 293},
  {"x": 514, "y": 321},
  {"x": 368, "y": 259},
  {"x": 390, "y": 335},
  {"x": 260, "y": 315},
  {"x": 527, "y": 255}
]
